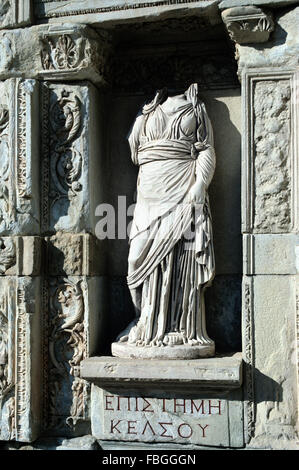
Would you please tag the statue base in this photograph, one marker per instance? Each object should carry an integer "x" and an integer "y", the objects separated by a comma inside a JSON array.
[{"x": 182, "y": 351}]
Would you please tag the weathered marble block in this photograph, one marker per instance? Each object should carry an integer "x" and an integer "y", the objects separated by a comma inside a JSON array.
[
  {"x": 20, "y": 256},
  {"x": 74, "y": 254},
  {"x": 15, "y": 13}
]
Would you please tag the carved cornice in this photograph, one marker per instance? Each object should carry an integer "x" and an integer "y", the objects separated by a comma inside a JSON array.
[
  {"x": 121, "y": 6},
  {"x": 248, "y": 24}
]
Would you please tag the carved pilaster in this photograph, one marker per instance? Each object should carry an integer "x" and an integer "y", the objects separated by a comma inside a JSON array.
[
  {"x": 71, "y": 310},
  {"x": 248, "y": 24},
  {"x": 68, "y": 154},
  {"x": 269, "y": 180},
  {"x": 19, "y": 194},
  {"x": 20, "y": 385}
]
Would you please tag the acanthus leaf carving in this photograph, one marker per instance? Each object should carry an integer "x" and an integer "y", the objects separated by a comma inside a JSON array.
[
  {"x": 70, "y": 51},
  {"x": 248, "y": 24},
  {"x": 62, "y": 54}
]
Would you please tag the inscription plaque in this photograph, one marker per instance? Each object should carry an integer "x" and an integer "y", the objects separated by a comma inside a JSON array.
[{"x": 202, "y": 420}]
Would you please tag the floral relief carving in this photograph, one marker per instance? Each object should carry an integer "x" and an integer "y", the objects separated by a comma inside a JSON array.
[
  {"x": 64, "y": 54},
  {"x": 68, "y": 52},
  {"x": 67, "y": 348},
  {"x": 66, "y": 161}
]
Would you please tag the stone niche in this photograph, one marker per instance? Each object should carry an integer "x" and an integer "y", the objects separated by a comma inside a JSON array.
[
  {"x": 72, "y": 81},
  {"x": 148, "y": 56}
]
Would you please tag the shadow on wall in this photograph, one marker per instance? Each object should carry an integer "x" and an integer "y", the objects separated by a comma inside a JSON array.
[
  {"x": 223, "y": 299},
  {"x": 265, "y": 388}
]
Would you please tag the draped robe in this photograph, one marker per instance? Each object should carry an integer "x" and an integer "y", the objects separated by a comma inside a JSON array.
[{"x": 174, "y": 262}]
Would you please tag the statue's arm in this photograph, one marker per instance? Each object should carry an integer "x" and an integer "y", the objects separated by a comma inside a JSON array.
[
  {"x": 134, "y": 137},
  {"x": 206, "y": 158}
]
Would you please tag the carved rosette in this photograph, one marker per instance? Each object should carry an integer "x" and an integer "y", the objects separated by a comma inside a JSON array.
[
  {"x": 248, "y": 24},
  {"x": 67, "y": 347}
]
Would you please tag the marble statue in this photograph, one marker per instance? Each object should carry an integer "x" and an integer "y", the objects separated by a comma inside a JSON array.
[{"x": 171, "y": 257}]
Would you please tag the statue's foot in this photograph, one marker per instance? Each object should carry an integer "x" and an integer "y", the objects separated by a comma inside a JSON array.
[{"x": 123, "y": 337}]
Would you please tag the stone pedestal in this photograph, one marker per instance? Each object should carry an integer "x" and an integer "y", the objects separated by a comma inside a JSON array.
[{"x": 177, "y": 402}]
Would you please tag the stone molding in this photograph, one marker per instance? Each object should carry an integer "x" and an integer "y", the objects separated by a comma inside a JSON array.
[
  {"x": 248, "y": 24},
  {"x": 269, "y": 106},
  {"x": 219, "y": 372},
  {"x": 248, "y": 357},
  {"x": 15, "y": 13},
  {"x": 60, "y": 8}
]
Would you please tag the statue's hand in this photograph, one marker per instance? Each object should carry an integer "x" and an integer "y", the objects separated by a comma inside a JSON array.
[{"x": 197, "y": 192}]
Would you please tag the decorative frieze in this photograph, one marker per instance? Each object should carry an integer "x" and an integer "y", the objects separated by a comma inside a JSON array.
[
  {"x": 54, "y": 9},
  {"x": 19, "y": 192},
  {"x": 137, "y": 71},
  {"x": 269, "y": 176},
  {"x": 248, "y": 24}
]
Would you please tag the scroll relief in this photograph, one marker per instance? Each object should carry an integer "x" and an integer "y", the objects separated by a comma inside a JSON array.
[{"x": 67, "y": 348}]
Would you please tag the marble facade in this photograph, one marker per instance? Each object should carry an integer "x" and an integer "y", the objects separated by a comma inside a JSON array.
[{"x": 72, "y": 80}]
